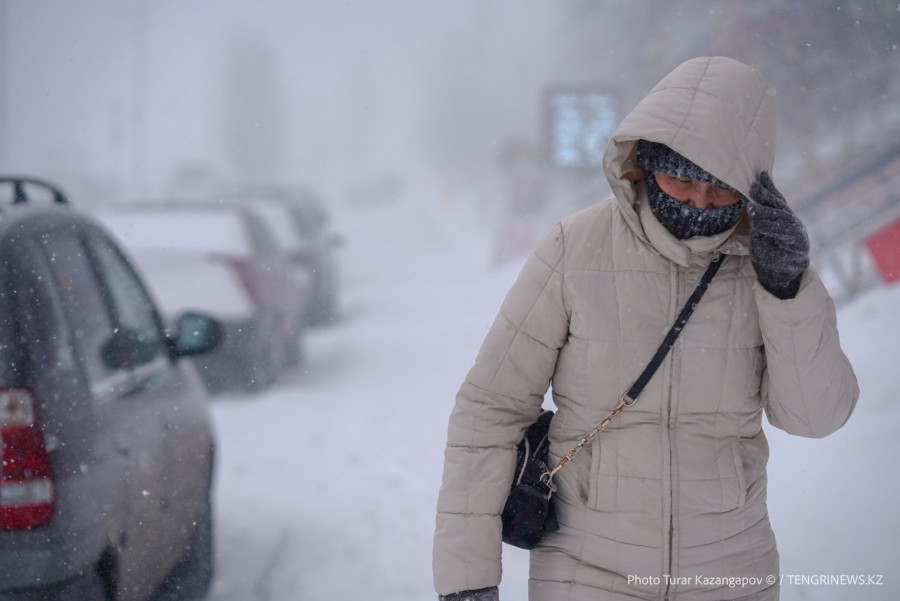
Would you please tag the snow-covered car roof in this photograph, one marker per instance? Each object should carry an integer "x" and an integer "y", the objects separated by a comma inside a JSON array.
[
  {"x": 188, "y": 281},
  {"x": 196, "y": 229}
]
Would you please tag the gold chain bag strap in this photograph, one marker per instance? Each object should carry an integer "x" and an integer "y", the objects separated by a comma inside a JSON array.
[{"x": 528, "y": 514}]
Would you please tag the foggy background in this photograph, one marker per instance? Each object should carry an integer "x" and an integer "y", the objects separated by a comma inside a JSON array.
[
  {"x": 422, "y": 125},
  {"x": 370, "y": 100}
]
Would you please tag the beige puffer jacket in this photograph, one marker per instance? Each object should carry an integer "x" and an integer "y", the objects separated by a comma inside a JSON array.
[{"x": 670, "y": 501}]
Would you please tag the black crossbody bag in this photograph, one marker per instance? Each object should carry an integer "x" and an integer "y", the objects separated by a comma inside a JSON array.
[{"x": 529, "y": 513}]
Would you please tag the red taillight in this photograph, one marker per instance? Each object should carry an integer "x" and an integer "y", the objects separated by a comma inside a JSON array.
[{"x": 26, "y": 481}]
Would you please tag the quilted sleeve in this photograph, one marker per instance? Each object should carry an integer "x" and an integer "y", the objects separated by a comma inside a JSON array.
[
  {"x": 809, "y": 388},
  {"x": 500, "y": 396}
]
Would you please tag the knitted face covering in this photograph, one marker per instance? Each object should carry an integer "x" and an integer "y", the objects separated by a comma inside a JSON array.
[{"x": 683, "y": 220}]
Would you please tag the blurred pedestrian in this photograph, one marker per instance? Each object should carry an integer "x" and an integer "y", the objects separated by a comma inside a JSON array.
[{"x": 670, "y": 501}]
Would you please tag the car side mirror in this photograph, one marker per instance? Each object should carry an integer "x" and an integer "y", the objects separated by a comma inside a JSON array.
[{"x": 195, "y": 333}]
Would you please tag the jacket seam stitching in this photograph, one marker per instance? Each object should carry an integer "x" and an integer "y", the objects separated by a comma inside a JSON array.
[
  {"x": 804, "y": 401},
  {"x": 553, "y": 270},
  {"x": 751, "y": 127},
  {"x": 695, "y": 91},
  {"x": 491, "y": 392}
]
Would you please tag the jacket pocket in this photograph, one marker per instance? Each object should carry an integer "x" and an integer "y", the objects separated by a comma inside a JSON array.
[{"x": 580, "y": 474}]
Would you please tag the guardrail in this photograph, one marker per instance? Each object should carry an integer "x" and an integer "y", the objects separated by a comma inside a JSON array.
[{"x": 841, "y": 216}]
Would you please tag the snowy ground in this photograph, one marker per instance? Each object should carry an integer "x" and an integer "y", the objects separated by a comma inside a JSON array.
[{"x": 327, "y": 483}]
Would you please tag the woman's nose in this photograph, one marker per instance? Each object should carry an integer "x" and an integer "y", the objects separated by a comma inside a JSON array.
[{"x": 701, "y": 196}]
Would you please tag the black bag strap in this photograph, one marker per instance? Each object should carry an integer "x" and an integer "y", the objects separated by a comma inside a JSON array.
[
  {"x": 630, "y": 397},
  {"x": 676, "y": 328}
]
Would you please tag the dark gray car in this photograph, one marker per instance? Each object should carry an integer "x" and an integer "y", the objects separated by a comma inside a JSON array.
[{"x": 107, "y": 443}]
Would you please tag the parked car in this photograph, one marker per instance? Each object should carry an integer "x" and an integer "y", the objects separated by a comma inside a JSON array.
[
  {"x": 225, "y": 261},
  {"x": 304, "y": 234},
  {"x": 107, "y": 444}
]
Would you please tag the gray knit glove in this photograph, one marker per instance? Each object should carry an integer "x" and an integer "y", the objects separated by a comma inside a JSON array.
[
  {"x": 779, "y": 246},
  {"x": 482, "y": 594}
]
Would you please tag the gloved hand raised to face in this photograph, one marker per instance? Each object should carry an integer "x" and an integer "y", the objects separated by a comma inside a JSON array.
[
  {"x": 779, "y": 246},
  {"x": 482, "y": 594}
]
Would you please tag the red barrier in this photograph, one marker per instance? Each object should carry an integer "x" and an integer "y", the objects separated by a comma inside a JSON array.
[{"x": 884, "y": 246}]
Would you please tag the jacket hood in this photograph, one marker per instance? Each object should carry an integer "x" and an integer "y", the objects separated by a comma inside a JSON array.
[{"x": 716, "y": 111}]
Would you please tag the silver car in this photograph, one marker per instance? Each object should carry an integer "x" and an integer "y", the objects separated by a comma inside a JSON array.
[
  {"x": 107, "y": 443},
  {"x": 225, "y": 261}
]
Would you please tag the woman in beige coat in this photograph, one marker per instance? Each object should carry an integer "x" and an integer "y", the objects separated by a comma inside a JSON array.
[{"x": 670, "y": 501}]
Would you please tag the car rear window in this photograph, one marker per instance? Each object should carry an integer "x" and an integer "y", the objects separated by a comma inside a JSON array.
[
  {"x": 10, "y": 355},
  {"x": 81, "y": 296},
  {"x": 32, "y": 337}
]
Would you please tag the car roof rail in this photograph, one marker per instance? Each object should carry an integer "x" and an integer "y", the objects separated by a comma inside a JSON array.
[{"x": 20, "y": 194}]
